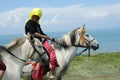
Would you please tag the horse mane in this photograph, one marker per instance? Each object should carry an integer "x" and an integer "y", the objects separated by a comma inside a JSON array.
[
  {"x": 16, "y": 42},
  {"x": 67, "y": 39}
]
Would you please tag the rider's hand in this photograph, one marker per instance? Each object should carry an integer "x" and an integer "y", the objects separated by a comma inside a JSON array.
[
  {"x": 33, "y": 64},
  {"x": 53, "y": 39}
]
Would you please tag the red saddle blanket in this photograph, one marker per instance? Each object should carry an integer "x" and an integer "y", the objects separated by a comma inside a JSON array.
[{"x": 53, "y": 61}]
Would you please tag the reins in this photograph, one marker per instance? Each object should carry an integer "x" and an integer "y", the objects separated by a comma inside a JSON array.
[
  {"x": 35, "y": 50},
  {"x": 12, "y": 53},
  {"x": 86, "y": 47}
]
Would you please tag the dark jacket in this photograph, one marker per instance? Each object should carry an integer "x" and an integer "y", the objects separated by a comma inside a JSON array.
[{"x": 33, "y": 27}]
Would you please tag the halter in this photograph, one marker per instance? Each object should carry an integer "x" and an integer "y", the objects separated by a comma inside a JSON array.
[
  {"x": 32, "y": 44},
  {"x": 35, "y": 50},
  {"x": 86, "y": 47},
  {"x": 87, "y": 42}
]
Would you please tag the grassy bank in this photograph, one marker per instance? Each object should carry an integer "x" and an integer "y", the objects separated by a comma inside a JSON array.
[{"x": 98, "y": 67}]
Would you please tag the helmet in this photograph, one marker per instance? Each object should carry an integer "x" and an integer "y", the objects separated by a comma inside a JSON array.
[{"x": 36, "y": 11}]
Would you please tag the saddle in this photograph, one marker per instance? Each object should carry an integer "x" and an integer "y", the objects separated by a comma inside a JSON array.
[{"x": 41, "y": 69}]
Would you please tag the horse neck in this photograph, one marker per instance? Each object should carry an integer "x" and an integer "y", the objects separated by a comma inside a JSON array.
[
  {"x": 20, "y": 51},
  {"x": 66, "y": 53},
  {"x": 26, "y": 49},
  {"x": 69, "y": 53}
]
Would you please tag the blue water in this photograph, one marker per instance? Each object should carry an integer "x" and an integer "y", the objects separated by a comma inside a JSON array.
[{"x": 109, "y": 39}]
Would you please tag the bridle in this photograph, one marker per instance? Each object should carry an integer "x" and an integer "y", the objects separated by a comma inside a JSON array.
[
  {"x": 35, "y": 50},
  {"x": 87, "y": 42},
  {"x": 88, "y": 47},
  {"x": 33, "y": 46},
  {"x": 3, "y": 48}
]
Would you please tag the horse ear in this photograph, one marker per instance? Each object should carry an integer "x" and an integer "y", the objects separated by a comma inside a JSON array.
[
  {"x": 32, "y": 39},
  {"x": 83, "y": 29}
]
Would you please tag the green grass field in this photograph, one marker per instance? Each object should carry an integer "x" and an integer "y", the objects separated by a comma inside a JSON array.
[
  {"x": 98, "y": 67},
  {"x": 102, "y": 66}
]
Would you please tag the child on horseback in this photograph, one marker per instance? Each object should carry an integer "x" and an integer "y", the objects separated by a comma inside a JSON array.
[{"x": 33, "y": 27}]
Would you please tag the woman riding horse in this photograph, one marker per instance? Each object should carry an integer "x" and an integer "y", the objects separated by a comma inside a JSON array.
[{"x": 33, "y": 27}]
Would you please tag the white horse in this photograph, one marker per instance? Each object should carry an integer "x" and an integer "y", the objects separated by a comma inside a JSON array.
[
  {"x": 23, "y": 49},
  {"x": 66, "y": 50}
]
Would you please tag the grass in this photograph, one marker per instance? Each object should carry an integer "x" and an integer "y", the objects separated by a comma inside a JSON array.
[
  {"x": 98, "y": 67},
  {"x": 102, "y": 66}
]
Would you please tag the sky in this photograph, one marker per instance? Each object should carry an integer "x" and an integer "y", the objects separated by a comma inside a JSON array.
[{"x": 60, "y": 15}]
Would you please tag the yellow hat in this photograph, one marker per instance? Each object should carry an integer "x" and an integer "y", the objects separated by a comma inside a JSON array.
[{"x": 36, "y": 11}]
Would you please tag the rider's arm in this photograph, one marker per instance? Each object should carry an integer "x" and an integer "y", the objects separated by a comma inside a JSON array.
[
  {"x": 40, "y": 35},
  {"x": 32, "y": 29}
]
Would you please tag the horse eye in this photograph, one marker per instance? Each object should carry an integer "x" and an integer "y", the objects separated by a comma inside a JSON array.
[{"x": 87, "y": 35}]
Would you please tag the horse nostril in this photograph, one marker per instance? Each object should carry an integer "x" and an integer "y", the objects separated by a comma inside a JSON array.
[
  {"x": 98, "y": 45},
  {"x": 95, "y": 47}
]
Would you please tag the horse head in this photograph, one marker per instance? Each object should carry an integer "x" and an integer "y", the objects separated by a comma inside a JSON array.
[
  {"x": 80, "y": 38},
  {"x": 37, "y": 47},
  {"x": 84, "y": 39},
  {"x": 17, "y": 52}
]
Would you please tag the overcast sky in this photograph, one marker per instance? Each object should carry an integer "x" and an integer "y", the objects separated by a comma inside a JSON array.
[{"x": 60, "y": 15}]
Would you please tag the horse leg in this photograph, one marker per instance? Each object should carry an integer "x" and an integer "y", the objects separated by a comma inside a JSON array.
[
  {"x": 60, "y": 72},
  {"x": 58, "y": 75}
]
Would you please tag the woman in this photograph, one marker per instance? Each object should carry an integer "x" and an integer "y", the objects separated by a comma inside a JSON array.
[{"x": 33, "y": 27}]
